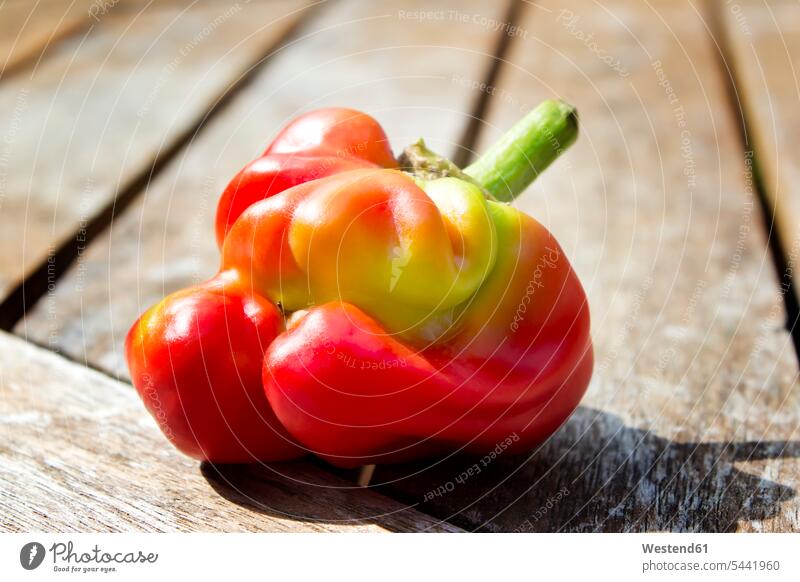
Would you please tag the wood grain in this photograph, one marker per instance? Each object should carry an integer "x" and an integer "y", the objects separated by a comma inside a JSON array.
[
  {"x": 78, "y": 452},
  {"x": 29, "y": 28},
  {"x": 395, "y": 66},
  {"x": 763, "y": 40},
  {"x": 93, "y": 116},
  {"x": 691, "y": 421}
]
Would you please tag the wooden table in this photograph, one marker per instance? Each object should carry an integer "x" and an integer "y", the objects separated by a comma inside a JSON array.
[{"x": 122, "y": 121}]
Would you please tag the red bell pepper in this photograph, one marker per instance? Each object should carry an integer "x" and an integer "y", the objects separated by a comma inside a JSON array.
[{"x": 420, "y": 314}]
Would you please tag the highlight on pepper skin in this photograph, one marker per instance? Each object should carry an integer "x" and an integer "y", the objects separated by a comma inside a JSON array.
[{"x": 369, "y": 310}]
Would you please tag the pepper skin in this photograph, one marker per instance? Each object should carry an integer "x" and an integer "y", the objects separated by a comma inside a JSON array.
[
  {"x": 423, "y": 316},
  {"x": 195, "y": 359},
  {"x": 315, "y": 145}
]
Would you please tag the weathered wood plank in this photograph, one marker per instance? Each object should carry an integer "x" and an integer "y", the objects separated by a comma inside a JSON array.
[
  {"x": 78, "y": 452},
  {"x": 764, "y": 43},
  {"x": 28, "y": 29},
  {"x": 94, "y": 114},
  {"x": 393, "y": 65},
  {"x": 691, "y": 420}
]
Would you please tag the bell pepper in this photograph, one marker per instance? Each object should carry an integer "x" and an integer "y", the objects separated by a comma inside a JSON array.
[{"x": 394, "y": 309}]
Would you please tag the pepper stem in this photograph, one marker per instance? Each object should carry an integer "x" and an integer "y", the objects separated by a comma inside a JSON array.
[
  {"x": 425, "y": 164},
  {"x": 532, "y": 144}
]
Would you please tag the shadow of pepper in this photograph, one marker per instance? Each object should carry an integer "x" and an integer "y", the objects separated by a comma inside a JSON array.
[
  {"x": 596, "y": 474},
  {"x": 300, "y": 491}
]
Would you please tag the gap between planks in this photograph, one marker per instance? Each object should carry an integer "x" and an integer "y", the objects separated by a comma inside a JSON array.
[
  {"x": 731, "y": 75},
  {"x": 27, "y": 292},
  {"x": 72, "y": 27},
  {"x": 465, "y": 150}
]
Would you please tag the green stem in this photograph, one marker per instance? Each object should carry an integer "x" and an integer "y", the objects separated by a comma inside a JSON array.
[{"x": 517, "y": 158}]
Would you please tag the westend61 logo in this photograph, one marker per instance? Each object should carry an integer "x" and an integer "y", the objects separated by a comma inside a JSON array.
[{"x": 66, "y": 559}]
